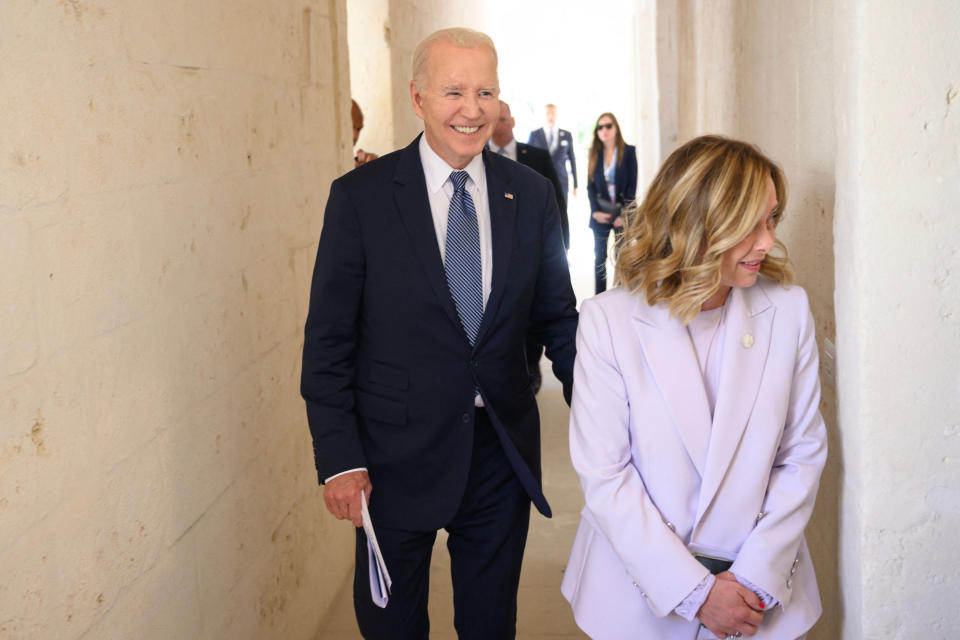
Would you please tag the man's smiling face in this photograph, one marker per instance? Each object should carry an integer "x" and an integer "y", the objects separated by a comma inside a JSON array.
[{"x": 458, "y": 101}]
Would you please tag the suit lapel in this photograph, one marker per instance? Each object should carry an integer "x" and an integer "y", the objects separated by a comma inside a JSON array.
[
  {"x": 414, "y": 206},
  {"x": 673, "y": 361},
  {"x": 503, "y": 219},
  {"x": 746, "y": 343}
]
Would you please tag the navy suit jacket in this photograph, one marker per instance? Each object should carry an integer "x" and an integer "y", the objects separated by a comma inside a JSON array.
[
  {"x": 388, "y": 373},
  {"x": 626, "y": 183},
  {"x": 560, "y": 156},
  {"x": 539, "y": 160}
]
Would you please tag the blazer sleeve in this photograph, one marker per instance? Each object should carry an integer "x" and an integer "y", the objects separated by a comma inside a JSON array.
[
  {"x": 553, "y": 319},
  {"x": 600, "y": 448},
  {"x": 769, "y": 552},
  {"x": 330, "y": 339}
]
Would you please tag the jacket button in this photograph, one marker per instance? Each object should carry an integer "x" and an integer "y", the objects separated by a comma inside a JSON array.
[
  {"x": 465, "y": 417},
  {"x": 474, "y": 363},
  {"x": 672, "y": 527},
  {"x": 789, "y": 583}
]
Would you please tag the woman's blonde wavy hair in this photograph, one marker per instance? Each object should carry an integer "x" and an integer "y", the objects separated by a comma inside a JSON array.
[{"x": 707, "y": 197}]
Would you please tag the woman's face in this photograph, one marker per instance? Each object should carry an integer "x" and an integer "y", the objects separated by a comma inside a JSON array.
[
  {"x": 606, "y": 130},
  {"x": 740, "y": 265}
]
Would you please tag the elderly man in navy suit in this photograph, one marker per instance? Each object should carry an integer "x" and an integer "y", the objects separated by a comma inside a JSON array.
[
  {"x": 434, "y": 265},
  {"x": 559, "y": 143}
]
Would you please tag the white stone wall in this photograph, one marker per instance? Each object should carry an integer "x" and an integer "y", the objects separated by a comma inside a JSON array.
[
  {"x": 163, "y": 172},
  {"x": 898, "y": 317}
]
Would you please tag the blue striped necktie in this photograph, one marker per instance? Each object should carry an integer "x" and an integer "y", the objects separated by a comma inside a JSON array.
[{"x": 464, "y": 275}]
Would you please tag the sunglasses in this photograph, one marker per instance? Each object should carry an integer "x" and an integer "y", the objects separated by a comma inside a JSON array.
[{"x": 601, "y": 127}]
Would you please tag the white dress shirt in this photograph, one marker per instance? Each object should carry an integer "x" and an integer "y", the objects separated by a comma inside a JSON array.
[
  {"x": 552, "y": 131},
  {"x": 509, "y": 149},
  {"x": 440, "y": 191}
]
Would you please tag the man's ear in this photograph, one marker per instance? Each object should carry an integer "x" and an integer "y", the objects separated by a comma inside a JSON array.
[{"x": 416, "y": 100}]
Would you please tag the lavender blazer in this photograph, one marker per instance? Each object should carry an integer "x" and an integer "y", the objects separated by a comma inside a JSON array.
[{"x": 663, "y": 480}]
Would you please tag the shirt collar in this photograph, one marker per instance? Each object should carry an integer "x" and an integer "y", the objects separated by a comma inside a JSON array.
[
  {"x": 510, "y": 147},
  {"x": 436, "y": 171}
]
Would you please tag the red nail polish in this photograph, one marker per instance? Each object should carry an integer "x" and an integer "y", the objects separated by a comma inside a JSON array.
[{"x": 761, "y": 604}]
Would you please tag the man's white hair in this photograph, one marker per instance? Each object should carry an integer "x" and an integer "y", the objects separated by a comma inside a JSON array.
[{"x": 457, "y": 36}]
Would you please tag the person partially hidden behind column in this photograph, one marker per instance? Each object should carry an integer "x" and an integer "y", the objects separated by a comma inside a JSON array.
[
  {"x": 611, "y": 185},
  {"x": 359, "y": 156},
  {"x": 434, "y": 265},
  {"x": 695, "y": 426}
]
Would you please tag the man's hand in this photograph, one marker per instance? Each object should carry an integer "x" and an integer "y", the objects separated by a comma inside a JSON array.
[
  {"x": 601, "y": 217},
  {"x": 363, "y": 157},
  {"x": 574, "y": 192},
  {"x": 731, "y": 609},
  {"x": 342, "y": 495},
  {"x": 618, "y": 222}
]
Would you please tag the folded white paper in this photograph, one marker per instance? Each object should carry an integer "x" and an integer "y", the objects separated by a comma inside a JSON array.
[{"x": 379, "y": 576}]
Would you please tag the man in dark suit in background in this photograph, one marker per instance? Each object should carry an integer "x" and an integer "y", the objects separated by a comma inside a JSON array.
[
  {"x": 434, "y": 265},
  {"x": 559, "y": 143},
  {"x": 503, "y": 143}
]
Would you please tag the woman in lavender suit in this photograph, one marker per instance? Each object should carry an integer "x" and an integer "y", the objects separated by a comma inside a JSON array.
[{"x": 695, "y": 427}]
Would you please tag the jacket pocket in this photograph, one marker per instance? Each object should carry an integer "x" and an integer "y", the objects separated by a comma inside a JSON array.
[{"x": 381, "y": 409}]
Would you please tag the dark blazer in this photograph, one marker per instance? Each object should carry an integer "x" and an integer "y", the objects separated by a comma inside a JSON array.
[
  {"x": 626, "y": 183},
  {"x": 560, "y": 155},
  {"x": 539, "y": 160},
  {"x": 388, "y": 373}
]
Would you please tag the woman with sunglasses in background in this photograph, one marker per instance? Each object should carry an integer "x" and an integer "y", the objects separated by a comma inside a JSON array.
[{"x": 611, "y": 184}]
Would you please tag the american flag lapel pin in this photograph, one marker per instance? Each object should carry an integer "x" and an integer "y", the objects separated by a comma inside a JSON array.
[{"x": 508, "y": 196}]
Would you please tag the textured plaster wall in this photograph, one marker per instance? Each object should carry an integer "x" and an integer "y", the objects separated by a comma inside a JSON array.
[
  {"x": 369, "y": 38},
  {"x": 898, "y": 316},
  {"x": 762, "y": 72},
  {"x": 163, "y": 171}
]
